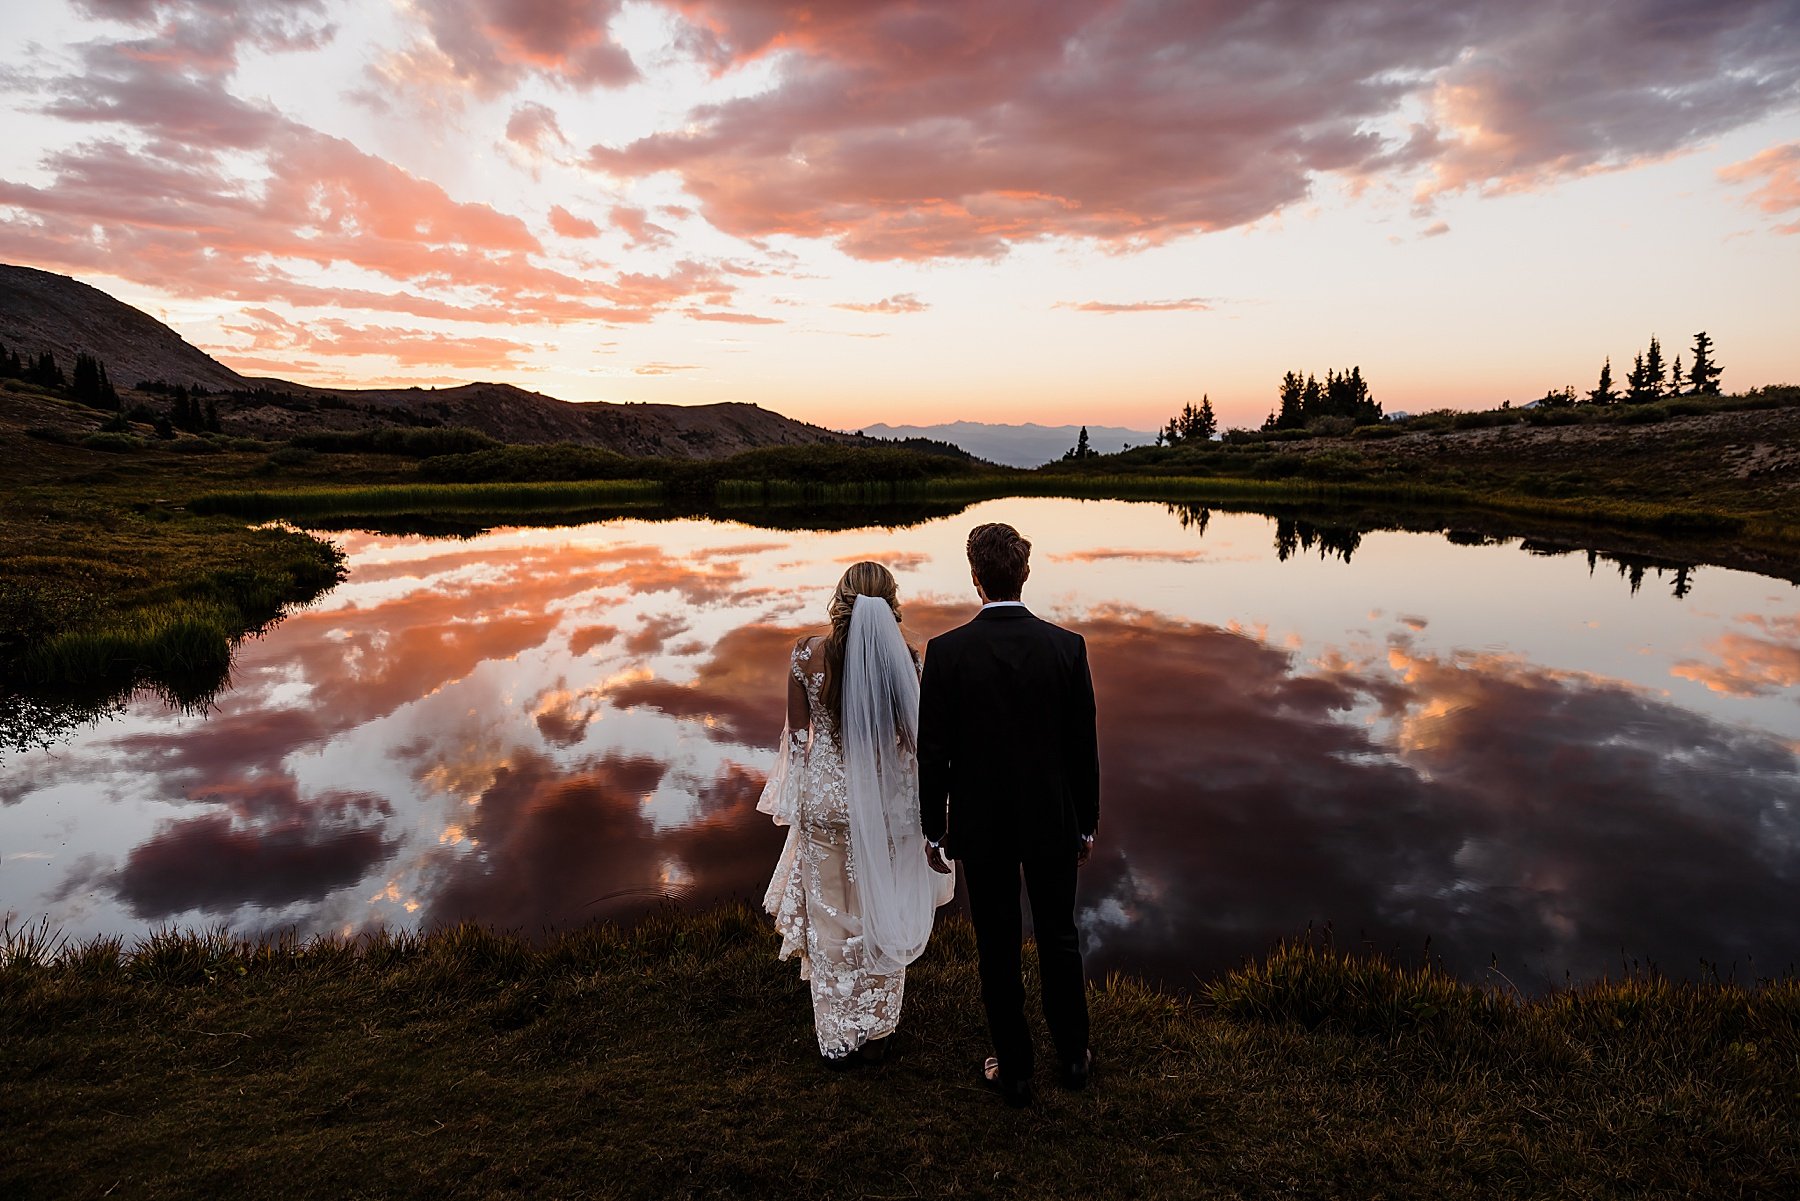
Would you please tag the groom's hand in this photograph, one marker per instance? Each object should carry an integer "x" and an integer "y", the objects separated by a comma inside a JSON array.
[
  {"x": 935, "y": 858},
  {"x": 1085, "y": 849}
]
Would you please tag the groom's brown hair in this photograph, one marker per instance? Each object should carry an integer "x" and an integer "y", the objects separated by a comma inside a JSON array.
[{"x": 1000, "y": 558}]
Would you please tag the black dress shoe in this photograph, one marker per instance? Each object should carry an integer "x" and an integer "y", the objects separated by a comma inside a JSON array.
[
  {"x": 1016, "y": 1093},
  {"x": 1077, "y": 1073}
]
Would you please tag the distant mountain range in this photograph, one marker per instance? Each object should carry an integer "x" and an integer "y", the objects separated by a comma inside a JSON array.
[
  {"x": 41, "y": 311},
  {"x": 1027, "y": 445}
]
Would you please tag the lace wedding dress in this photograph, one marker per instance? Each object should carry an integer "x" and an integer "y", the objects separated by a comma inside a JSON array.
[{"x": 852, "y": 895}]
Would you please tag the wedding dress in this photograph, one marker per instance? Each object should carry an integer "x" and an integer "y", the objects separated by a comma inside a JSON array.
[{"x": 852, "y": 895}]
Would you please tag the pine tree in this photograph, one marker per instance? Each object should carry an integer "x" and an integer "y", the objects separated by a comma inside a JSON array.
[
  {"x": 1675, "y": 377},
  {"x": 212, "y": 417},
  {"x": 1289, "y": 415},
  {"x": 1637, "y": 382},
  {"x": 1655, "y": 372},
  {"x": 1208, "y": 423},
  {"x": 1603, "y": 393},
  {"x": 1704, "y": 374},
  {"x": 1082, "y": 450},
  {"x": 1312, "y": 400},
  {"x": 84, "y": 383}
]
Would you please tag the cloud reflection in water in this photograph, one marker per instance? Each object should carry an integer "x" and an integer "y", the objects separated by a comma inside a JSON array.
[{"x": 544, "y": 727}]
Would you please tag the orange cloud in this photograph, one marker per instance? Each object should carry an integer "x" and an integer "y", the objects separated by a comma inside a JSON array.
[
  {"x": 1748, "y": 664},
  {"x": 1778, "y": 170},
  {"x": 1192, "y": 304},
  {"x": 267, "y": 331},
  {"x": 569, "y": 225},
  {"x": 732, "y": 318}
]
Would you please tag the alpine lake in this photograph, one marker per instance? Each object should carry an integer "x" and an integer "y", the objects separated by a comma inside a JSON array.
[{"x": 1534, "y": 764}]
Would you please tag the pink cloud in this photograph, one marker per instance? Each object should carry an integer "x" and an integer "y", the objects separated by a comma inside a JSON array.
[
  {"x": 534, "y": 126},
  {"x": 1192, "y": 304},
  {"x": 903, "y": 302},
  {"x": 637, "y": 227},
  {"x": 569, "y": 225},
  {"x": 493, "y": 45},
  {"x": 731, "y": 317},
  {"x": 265, "y": 331},
  {"x": 908, "y": 129},
  {"x": 1778, "y": 170}
]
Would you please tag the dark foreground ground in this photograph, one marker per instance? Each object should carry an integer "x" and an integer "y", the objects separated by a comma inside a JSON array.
[{"x": 678, "y": 1061}]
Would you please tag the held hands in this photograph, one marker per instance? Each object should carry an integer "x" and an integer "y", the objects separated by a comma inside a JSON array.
[{"x": 934, "y": 855}]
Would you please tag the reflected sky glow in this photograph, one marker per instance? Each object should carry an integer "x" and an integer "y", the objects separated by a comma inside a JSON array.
[{"x": 1513, "y": 755}]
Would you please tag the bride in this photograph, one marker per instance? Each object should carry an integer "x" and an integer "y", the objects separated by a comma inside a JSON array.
[{"x": 852, "y": 893}]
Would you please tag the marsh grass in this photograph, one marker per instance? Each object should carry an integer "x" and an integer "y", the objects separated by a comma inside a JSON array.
[
  {"x": 391, "y": 499},
  {"x": 676, "y": 1059}
]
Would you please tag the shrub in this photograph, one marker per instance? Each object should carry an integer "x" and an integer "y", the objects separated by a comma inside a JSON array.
[
  {"x": 291, "y": 456},
  {"x": 412, "y": 443},
  {"x": 113, "y": 443}
]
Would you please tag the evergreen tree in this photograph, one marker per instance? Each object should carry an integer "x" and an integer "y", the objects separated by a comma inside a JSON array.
[
  {"x": 1289, "y": 415},
  {"x": 1637, "y": 382},
  {"x": 211, "y": 419},
  {"x": 44, "y": 372},
  {"x": 1082, "y": 450},
  {"x": 1675, "y": 377},
  {"x": 1206, "y": 423},
  {"x": 1603, "y": 393},
  {"x": 1704, "y": 374},
  {"x": 1312, "y": 400},
  {"x": 1654, "y": 371},
  {"x": 84, "y": 384}
]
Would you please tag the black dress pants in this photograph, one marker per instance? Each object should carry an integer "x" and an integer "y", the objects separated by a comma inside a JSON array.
[{"x": 994, "y": 907}]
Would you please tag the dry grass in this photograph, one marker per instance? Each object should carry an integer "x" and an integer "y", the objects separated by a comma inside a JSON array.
[{"x": 677, "y": 1060}]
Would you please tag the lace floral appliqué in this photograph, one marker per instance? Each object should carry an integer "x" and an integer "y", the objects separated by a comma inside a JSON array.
[{"x": 807, "y": 793}]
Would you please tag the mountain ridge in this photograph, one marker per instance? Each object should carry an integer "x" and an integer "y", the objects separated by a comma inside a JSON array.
[
  {"x": 1023, "y": 445},
  {"x": 43, "y": 311}
]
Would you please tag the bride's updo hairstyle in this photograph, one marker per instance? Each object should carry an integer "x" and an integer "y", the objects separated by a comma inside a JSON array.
[{"x": 863, "y": 579}]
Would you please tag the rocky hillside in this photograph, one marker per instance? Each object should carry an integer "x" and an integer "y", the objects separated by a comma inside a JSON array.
[{"x": 41, "y": 311}]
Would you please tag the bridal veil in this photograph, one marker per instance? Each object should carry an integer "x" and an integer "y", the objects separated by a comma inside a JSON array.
[{"x": 892, "y": 886}]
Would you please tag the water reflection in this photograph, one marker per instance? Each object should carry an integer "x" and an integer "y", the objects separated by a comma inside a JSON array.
[{"x": 537, "y": 727}]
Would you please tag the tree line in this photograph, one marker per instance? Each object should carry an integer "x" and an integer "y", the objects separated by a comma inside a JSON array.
[
  {"x": 1649, "y": 379},
  {"x": 1343, "y": 395},
  {"x": 89, "y": 384}
]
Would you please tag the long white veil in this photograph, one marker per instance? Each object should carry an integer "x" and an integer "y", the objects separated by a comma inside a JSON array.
[{"x": 894, "y": 888}]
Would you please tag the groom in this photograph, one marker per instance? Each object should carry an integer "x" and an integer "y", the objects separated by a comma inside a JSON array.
[{"x": 1007, "y": 746}]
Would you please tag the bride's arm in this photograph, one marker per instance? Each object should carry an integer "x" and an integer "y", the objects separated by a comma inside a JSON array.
[{"x": 799, "y": 713}]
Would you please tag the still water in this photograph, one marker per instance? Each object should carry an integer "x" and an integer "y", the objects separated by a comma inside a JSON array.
[{"x": 1551, "y": 766}]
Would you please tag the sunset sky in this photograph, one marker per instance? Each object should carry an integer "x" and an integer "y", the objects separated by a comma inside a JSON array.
[{"x": 877, "y": 210}]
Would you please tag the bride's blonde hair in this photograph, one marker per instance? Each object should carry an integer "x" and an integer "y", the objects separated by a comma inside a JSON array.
[{"x": 862, "y": 579}]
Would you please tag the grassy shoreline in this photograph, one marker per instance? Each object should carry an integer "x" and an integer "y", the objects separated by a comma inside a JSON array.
[{"x": 675, "y": 1059}]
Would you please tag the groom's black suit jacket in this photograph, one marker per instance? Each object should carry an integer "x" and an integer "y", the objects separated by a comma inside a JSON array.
[{"x": 1008, "y": 761}]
